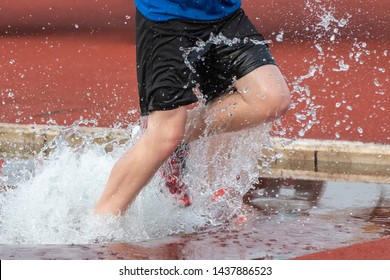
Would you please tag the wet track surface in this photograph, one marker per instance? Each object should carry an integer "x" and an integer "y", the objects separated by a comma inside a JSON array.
[{"x": 284, "y": 219}]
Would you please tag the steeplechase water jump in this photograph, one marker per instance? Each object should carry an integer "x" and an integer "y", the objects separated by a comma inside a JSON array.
[{"x": 205, "y": 130}]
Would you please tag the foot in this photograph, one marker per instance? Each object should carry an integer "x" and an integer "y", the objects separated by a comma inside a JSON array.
[{"x": 173, "y": 174}]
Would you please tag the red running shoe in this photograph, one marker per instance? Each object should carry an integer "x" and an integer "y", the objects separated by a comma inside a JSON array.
[{"x": 173, "y": 170}]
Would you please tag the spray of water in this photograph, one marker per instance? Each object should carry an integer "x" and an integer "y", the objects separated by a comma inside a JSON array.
[{"x": 55, "y": 204}]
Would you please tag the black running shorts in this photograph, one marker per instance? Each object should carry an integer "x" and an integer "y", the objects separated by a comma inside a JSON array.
[{"x": 175, "y": 56}]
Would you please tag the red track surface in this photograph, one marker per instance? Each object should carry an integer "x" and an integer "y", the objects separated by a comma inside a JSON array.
[
  {"x": 65, "y": 60},
  {"x": 372, "y": 250}
]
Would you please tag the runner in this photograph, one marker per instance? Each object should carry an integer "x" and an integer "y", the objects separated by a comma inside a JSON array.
[{"x": 234, "y": 71}]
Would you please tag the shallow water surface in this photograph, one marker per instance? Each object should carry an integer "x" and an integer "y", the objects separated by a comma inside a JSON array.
[{"x": 281, "y": 219}]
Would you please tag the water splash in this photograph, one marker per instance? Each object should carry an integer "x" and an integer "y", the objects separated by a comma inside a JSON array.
[
  {"x": 59, "y": 200},
  {"x": 54, "y": 203},
  {"x": 326, "y": 24},
  {"x": 196, "y": 52},
  {"x": 306, "y": 115}
]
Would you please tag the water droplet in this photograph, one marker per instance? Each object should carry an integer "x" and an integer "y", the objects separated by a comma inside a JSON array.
[
  {"x": 342, "y": 66},
  {"x": 319, "y": 48},
  {"x": 342, "y": 22},
  {"x": 279, "y": 37},
  {"x": 380, "y": 92},
  {"x": 377, "y": 83}
]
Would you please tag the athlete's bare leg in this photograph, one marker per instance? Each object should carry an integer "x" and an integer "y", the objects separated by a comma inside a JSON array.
[
  {"x": 137, "y": 166},
  {"x": 258, "y": 97}
]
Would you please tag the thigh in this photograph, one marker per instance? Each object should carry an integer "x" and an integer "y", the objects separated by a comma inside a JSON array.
[{"x": 262, "y": 84}]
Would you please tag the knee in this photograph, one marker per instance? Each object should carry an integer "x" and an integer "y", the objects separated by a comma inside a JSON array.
[
  {"x": 168, "y": 138},
  {"x": 283, "y": 102},
  {"x": 276, "y": 104},
  {"x": 165, "y": 130},
  {"x": 172, "y": 139}
]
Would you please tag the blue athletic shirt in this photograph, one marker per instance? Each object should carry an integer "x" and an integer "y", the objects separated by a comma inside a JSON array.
[{"x": 163, "y": 10}]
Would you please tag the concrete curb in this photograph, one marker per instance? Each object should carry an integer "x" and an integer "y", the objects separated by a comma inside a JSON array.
[
  {"x": 333, "y": 160},
  {"x": 26, "y": 141},
  {"x": 302, "y": 159}
]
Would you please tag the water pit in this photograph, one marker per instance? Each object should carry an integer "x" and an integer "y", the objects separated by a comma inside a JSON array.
[{"x": 306, "y": 204}]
